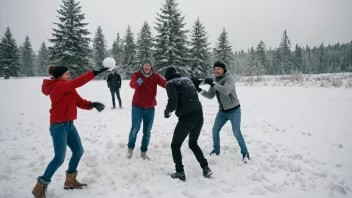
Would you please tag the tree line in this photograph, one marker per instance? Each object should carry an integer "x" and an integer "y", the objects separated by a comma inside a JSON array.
[{"x": 173, "y": 45}]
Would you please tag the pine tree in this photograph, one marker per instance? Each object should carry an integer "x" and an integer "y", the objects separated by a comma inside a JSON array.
[
  {"x": 308, "y": 63},
  {"x": 42, "y": 61},
  {"x": 199, "y": 52},
  {"x": 129, "y": 64},
  {"x": 70, "y": 42},
  {"x": 285, "y": 59},
  {"x": 145, "y": 43},
  {"x": 252, "y": 63},
  {"x": 223, "y": 49},
  {"x": 261, "y": 57},
  {"x": 9, "y": 56},
  {"x": 299, "y": 65},
  {"x": 20, "y": 52},
  {"x": 117, "y": 50},
  {"x": 335, "y": 64},
  {"x": 99, "y": 48},
  {"x": 348, "y": 60},
  {"x": 254, "y": 68},
  {"x": 171, "y": 39},
  {"x": 27, "y": 58},
  {"x": 321, "y": 67}
]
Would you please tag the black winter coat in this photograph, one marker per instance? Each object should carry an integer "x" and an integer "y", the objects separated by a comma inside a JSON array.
[
  {"x": 114, "y": 81},
  {"x": 183, "y": 96}
]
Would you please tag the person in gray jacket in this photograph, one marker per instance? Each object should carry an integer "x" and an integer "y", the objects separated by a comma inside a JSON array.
[{"x": 222, "y": 85}]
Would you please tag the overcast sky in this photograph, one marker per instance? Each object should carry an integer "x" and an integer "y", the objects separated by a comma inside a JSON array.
[{"x": 247, "y": 21}]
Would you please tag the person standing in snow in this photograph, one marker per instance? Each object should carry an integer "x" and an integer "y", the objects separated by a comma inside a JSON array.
[
  {"x": 222, "y": 85},
  {"x": 64, "y": 102},
  {"x": 183, "y": 98},
  {"x": 144, "y": 82},
  {"x": 114, "y": 83}
]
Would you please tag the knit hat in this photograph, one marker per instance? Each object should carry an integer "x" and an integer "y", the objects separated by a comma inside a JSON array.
[
  {"x": 146, "y": 61},
  {"x": 220, "y": 64},
  {"x": 57, "y": 71},
  {"x": 169, "y": 72}
]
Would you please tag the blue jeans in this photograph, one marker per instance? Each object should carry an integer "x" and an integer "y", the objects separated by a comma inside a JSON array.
[
  {"x": 235, "y": 118},
  {"x": 116, "y": 91},
  {"x": 64, "y": 134},
  {"x": 139, "y": 114}
]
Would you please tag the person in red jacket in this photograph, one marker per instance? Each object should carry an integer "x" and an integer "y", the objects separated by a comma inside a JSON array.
[
  {"x": 64, "y": 102},
  {"x": 144, "y": 82}
]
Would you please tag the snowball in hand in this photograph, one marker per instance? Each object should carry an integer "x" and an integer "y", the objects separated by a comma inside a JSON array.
[{"x": 110, "y": 63}]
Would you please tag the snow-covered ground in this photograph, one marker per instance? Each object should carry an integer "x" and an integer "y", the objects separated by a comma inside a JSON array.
[
  {"x": 329, "y": 80},
  {"x": 299, "y": 139}
]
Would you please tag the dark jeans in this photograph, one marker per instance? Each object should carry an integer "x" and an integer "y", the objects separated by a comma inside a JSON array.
[
  {"x": 117, "y": 92},
  {"x": 64, "y": 134},
  {"x": 191, "y": 124},
  {"x": 139, "y": 114}
]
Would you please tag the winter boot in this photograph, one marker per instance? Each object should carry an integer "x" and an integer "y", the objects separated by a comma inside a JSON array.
[
  {"x": 113, "y": 107},
  {"x": 39, "y": 190},
  {"x": 213, "y": 152},
  {"x": 245, "y": 158},
  {"x": 178, "y": 175},
  {"x": 144, "y": 155},
  {"x": 129, "y": 153},
  {"x": 72, "y": 183},
  {"x": 207, "y": 172}
]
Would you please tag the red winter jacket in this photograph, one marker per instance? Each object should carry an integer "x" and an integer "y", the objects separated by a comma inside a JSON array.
[
  {"x": 64, "y": 97},
  {"x": 144, "y": 94}
]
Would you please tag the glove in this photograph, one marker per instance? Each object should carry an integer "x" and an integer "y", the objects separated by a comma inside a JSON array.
[
  {"x": 166, "y": 114},
  {"x": 209, "y": 81},
  {"x": 99, "y": 106},
  {"x": 97, "y": 72},
  {"x": 196, "y": 81},
  {"x": 139, "y": 81}
]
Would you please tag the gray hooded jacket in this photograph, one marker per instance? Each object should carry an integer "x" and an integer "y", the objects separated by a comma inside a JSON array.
[{"x": 225, "y": 91}]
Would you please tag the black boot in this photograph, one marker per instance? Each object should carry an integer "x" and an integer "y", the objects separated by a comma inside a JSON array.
[
  {"x": 213, "y": 152},
  {"x": 207, "y": 172},
  {"x": 179, "y": 175},
  {"x": 245, "y": 158}
]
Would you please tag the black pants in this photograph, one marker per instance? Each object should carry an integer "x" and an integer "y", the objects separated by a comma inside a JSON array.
[{"x": 191, "y": 124}]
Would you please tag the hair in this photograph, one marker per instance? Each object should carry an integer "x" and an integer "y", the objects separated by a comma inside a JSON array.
[{"x": 51, "y": 69}]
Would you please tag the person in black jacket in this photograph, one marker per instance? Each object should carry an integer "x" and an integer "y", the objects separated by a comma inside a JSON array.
[
  {"x": 183, "y": 98},
  {"x": 114, "y": 83}
]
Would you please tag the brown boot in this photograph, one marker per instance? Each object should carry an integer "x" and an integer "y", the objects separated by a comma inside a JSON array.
[
  {"x": 144, "y": 155},
  {"x": 39, "y": 190},
  {"x": 129, "y": 153},
  {"x": 72, "y": 183}
]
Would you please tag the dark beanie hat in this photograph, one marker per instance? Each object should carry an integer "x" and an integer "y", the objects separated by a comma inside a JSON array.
[
  {"x": 169, "y": 72},
  {"x": 58, "y": 71},
  {"x": 220, "y": 64}
]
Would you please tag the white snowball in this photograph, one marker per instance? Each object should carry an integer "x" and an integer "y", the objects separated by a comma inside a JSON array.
[{"x": 110, "y": 63}]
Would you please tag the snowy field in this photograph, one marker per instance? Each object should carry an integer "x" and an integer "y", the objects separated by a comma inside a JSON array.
[
  {"x": 299, "y": 140},
  {"x": 329, "y": 80}
]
